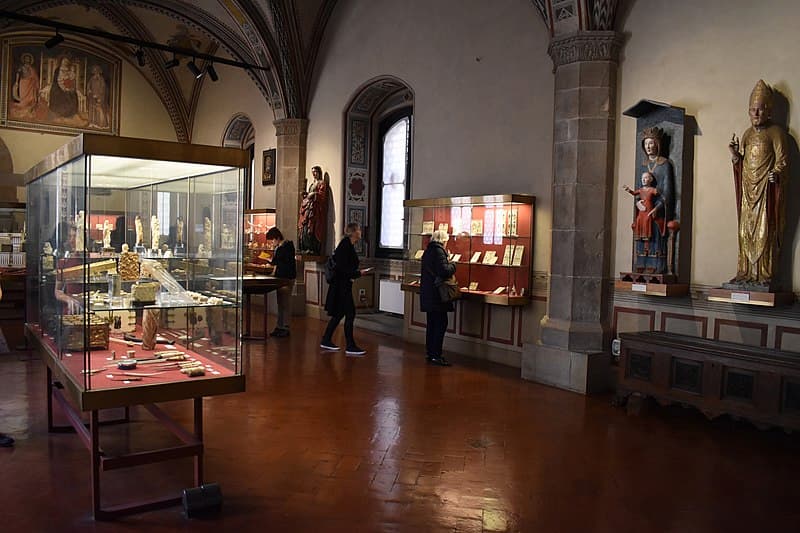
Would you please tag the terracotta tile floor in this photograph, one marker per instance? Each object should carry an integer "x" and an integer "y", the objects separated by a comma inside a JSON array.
[{"x": 322, "y": 442}]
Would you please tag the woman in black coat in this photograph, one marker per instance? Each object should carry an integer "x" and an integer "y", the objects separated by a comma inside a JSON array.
[
  {"x": 435, "y": 265},
  {"x": 339, "y": 302}
]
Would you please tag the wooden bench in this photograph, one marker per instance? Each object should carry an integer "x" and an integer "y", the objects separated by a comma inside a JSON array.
[{"x": 757, "y": 384}]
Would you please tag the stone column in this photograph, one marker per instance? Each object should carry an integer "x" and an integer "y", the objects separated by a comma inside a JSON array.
[
  {"x": 290, "y": 170},
  {"x": 573, "y": 352}
]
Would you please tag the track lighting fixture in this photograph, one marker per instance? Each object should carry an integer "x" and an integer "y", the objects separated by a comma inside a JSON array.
[
  {"x": 212, "y": 73},
  {"x": 137, "y": 44},
  {"x": 172, "y": 63},
  {"x": 54, "y": 41},
  {"x": 140, "y": 57},
  {"x": 192, "y": 66}
]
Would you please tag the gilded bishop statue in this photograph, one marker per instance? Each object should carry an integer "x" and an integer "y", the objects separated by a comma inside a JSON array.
[{"x": 760, "y": 174}]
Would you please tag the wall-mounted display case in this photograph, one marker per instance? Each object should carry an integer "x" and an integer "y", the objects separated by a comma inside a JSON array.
[
  {"x": 490, "y": 240},
  {"x": 134, "y": 282},
  {"x": 257, "y": 251}
]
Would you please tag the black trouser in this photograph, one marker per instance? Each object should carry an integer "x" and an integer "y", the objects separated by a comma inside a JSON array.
[
  {"x": 434, "y": 332},
  {"x": 349, "y": 318}
]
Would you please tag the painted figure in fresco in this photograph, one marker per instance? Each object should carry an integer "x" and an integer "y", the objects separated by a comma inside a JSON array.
[
  {"x": 760, "y": 173},
  {"x": 63, "y": 100},
  {"x": 649, "y": 227},
  {"x": 313, "y": 215},
  {"x": 650, "y": 240},
  {"x": 96, "y": 92},
  {"x": 25, "y": 90}
]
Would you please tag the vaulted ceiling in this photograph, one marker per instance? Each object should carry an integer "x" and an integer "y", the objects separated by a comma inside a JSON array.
[{"x": 283, "y": 35}]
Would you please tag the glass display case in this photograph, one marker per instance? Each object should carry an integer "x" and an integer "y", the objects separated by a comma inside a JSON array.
[
  {"x": 490, "y": 240},
  {"x": 12, "y": 235},
  {"x": 134, "y": 269},
  {"x": 257, "y": 251}
]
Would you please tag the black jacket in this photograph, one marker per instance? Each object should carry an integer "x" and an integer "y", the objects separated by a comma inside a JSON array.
[
  {"x": 283, "y": 260},
  {"x": 340, "y": 292},
  {"x": 434, "y": 264}
]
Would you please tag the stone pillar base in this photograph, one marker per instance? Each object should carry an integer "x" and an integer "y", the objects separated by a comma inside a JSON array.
[{"x": 585, "y": 373}]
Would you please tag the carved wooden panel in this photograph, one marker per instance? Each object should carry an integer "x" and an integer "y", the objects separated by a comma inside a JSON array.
[
  {"x": 471, "y": 319},
  {"x": 313, "y": 292},
  {"x": 630, "y": 319},
  {"x": 501, "y": 324},
  {"x": 696, "y": 326},
  {"x": 750, "y": 333},
  {"x": 787, "y": 338}
]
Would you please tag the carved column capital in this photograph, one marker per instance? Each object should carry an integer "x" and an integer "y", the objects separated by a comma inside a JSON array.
[
  {"x": 291, "y": 126},
  {"x": 585, "y": 46}
]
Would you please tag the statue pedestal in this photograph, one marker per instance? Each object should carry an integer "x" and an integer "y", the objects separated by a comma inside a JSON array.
[
  {"x": 763, "y": 299},
  {"x": 653, "y": 289}
]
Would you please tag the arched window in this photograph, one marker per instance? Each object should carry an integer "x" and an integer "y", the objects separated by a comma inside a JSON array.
[{"x": 394, "y": 171}]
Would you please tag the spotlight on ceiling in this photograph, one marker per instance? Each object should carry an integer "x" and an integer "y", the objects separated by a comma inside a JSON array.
[
  {"x": 172, "y": 63},
  {"x": 54, "y": 41},
  {"x": 140, "y": 57},
  {"x": 212, "y": 73},
  {"x": 194, "y": 68}
]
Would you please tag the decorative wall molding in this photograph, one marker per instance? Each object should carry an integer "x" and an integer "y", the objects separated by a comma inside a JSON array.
[
  {"x": 585, "y": 46},
  {"x": 291, "y": 126}
]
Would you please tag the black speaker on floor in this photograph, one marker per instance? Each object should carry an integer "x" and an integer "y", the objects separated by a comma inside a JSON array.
[{"x": 203, "y": 500}]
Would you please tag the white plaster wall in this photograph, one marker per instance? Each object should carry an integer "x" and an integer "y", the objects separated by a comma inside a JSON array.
[
  {"x": 219, "y": 102},
  {"x": 483, "y": 87},
  {"x": 141, "y": 115},
  {"x": 706, "y": 57}
]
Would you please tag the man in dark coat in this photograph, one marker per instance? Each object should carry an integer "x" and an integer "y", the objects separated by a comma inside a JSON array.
[
  {"x": 339, "y": 303},
  {"x": 435, "y": 265},
  {"x": 285, "y": 268}
]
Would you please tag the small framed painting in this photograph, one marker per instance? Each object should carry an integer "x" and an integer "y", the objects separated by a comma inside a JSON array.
[{"x": 268, "y": 167}]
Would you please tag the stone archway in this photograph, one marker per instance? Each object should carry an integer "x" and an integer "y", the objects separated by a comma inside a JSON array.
[
  {"x": 240, "y": 133},
  {"x": 6, "y": 163}
]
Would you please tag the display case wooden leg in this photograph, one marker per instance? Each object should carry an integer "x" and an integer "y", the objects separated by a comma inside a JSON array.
[
  {"x": 249, "y": 312},
  {"x": 94, "y": 428},
  {"x": 198, "y": 433},
  {"x": 50, "y": 427}
]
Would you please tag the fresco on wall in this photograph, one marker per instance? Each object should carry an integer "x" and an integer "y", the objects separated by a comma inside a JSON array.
[{"x": 65, "y": 89}]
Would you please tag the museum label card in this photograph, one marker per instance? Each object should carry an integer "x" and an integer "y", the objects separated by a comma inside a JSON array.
[
  {"x": 476, "y": 227},
  {"x": 499, "y": 290},
  {"x": 419, "y": 253},
  {"x": 512, "y": 221},
  {"x": 518, "y": 251},
  {"x": 475, "y": 257},
  {"x": 456, "y": 258},
  {"x": 473, "y": 286},
  {"x": 639, "y": 287},
  {"x": 740, "y": 297},
  {"x": 488, "y": 256},
  {"x": 508, "y": 253}
]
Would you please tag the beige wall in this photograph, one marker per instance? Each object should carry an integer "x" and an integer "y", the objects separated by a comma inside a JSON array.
[
  {"x": 483, "y": 86},
  {"x": 219, "y": 102},
  {"x": 705, "y": 56}
]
